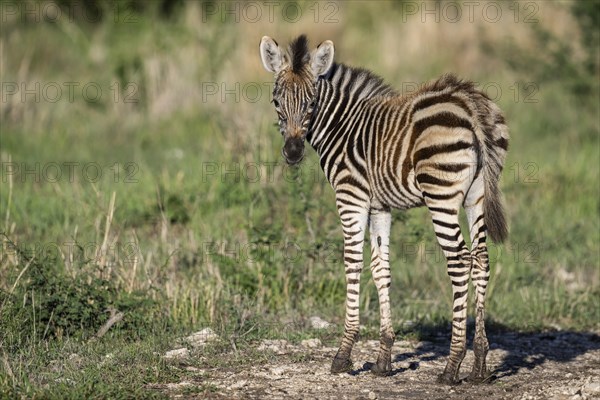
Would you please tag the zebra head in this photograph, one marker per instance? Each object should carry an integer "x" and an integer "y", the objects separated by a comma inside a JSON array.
[{"x": 294, "y": 95}]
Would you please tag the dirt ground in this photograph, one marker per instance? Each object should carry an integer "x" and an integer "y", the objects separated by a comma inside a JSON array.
[{"x": 556, "y": 365}]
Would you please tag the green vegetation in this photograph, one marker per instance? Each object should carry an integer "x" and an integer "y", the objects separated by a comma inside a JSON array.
[{"x": 163, "y": 195}]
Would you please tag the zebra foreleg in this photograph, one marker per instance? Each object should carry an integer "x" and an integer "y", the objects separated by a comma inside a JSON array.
[
  {"x": 379, "y": 227},
  {"x": 354, "y": 222}
]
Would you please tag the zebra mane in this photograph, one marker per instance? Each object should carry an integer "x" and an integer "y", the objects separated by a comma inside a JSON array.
[
  {"x": 449, "y": 80},
  {"x": 299, "y": 53},
  {"x": 372, "y": 84}
]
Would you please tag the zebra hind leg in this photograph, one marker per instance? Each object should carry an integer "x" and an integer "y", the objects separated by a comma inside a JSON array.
[
  {"x": 444, "y": 193},
  {"x": 447, "y": 229},
  {"x": 480, "y": 274},
  {"x": 379, "y": 228}
]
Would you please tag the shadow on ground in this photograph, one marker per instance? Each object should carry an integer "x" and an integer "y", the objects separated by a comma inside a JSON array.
[{"x": 522, "y": 350}]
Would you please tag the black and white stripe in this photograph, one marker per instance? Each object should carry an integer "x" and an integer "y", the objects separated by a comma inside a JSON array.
[{"x": 442, "y": 147}]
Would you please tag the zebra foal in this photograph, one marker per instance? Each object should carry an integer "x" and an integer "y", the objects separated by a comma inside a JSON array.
[{"x": 443, "y": 147}]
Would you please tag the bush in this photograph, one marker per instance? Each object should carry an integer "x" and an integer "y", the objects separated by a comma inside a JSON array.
[{"x": 49, "y": 302}]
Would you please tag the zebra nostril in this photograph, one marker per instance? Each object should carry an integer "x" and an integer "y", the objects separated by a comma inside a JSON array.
[{"x": 293, "y": 150}]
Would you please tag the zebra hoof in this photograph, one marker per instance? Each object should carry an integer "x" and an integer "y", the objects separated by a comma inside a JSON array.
[
  {"x": 477, "y": 377},
  {"x": 340, "y": 365},
  {"x": 382, "y": 369},
  {"x": 447, "y": 379}
]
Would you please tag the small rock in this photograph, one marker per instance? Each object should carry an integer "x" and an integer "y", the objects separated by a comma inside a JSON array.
[
  {"x": 277, "y": 371},
  {"x": 238, "y": 385},
  {"x": 556, "y": 326},
  {"x": 276, "y": 346},
  {"x": 319, "y": 323},
  {"x": 311, "y": 343},
  {"x": 404, "y": 365},
  {"x": 201, "y": 338},
  {"x": 372, "y": 395},
  {"x": 591, "y": 389},
  {"x": 177, "y": 353}
]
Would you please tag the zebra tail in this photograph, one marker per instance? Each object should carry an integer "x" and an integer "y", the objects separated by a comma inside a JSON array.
[{"x": 495, "y": 147}]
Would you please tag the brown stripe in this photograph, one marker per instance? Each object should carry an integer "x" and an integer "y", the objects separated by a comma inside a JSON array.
[
  {"x": 452, "y": 167},
  {"x": 434, "y": 196},
  {"x": 432, "y": 180},
  {"x": 428, "y": 152}
]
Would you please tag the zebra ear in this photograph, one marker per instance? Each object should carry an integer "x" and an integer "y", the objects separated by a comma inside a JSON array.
[
  {"x": 322, "y": 58},
  {"x": 271, "y": 55}
]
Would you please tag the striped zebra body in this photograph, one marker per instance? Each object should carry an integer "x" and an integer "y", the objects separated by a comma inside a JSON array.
[{"x": 442, "y": 147}]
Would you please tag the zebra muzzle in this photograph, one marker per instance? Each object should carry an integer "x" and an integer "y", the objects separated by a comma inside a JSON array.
[{"x": 293, "y": 150}]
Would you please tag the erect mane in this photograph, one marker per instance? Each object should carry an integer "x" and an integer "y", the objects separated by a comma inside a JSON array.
[
  {"x": 371, "y": 83},
  {"x": 299, "y": 53}
]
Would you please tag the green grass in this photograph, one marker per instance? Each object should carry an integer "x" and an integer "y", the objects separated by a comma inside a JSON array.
[{"x": 194, "y": 238}]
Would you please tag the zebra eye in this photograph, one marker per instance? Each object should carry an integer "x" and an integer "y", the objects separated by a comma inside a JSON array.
[{"x": 276, "y": 103}]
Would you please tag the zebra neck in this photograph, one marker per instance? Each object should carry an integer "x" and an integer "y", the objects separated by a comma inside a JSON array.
[{"x": 341, "y": 95}]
